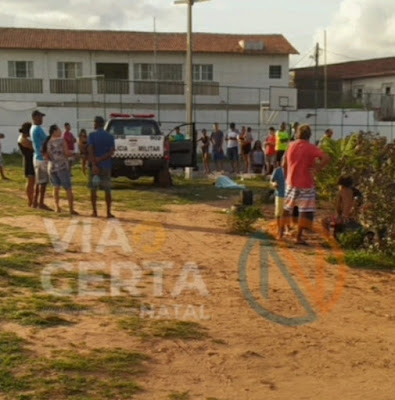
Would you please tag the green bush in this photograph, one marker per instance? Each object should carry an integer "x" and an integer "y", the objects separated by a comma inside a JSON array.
[
  {"x": 352, "y": 240},
  {"x": 370, "y": 161},
  {"x": 242, "y": 218}
]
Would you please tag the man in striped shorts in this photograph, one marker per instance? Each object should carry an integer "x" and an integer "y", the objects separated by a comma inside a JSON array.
[{"x": 303, "y": 159}]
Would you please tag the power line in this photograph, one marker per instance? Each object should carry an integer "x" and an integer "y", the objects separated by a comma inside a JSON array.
[
  {"x": 343, "y": 55},
  {"x": 304, "y": 56}
]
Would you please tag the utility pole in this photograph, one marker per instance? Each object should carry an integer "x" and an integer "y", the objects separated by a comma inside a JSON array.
[
  {"x": 156, "y": 72},
  {"x": 316, "y": 85},
  {"x": 189, "y": 72},
  {"x": 317, "y": 62},
  {"x": 325, "y": 72}
]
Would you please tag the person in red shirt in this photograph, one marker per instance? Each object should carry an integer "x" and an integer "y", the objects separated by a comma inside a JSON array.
[
  {"x": 302, "y": 161},
  {"x": 270, "y": 147},
  {"x": 70, "y": 141}
]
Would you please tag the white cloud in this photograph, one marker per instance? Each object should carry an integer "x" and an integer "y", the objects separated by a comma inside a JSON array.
[
  {"x": 361, "y": 29},
  {"x": 85, "y": 14}
]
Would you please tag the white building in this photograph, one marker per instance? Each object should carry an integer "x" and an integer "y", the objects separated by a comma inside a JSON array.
[{"x": 73, "y": 75}]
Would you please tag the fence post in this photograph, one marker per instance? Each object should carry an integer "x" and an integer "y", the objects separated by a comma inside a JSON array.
[
  {"x": 259, "y": 113},
  {"x": 104, "y": 97},
  {"x": 77, "y": 106},
  {"x": 120, "y": 96},
  {"x": 227, "y": 106}
]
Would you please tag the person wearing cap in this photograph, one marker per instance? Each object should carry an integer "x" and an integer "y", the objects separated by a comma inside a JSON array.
[
  {"x": 101, "y": 149},
  {"x": 38, "y": 137},
  {"x": 26, "y": 147}
]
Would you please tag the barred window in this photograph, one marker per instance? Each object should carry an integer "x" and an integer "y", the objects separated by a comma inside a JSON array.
[
  {"x": 203, "y": 72},
  {"x": 20, "y": 69},
  {"x": 165, "y": 72},
  {"x": 69, "y": 70},
  {"x": 143, "y": 72},
  {"x": 275, "y": 71}
]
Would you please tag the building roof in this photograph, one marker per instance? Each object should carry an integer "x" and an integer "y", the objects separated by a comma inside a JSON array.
[
  {"x": 352, "y": 70},
  {"x": 122, "y": 41}
]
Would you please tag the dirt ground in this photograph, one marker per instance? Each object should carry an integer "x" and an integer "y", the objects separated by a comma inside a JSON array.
[{"x": 346, "y": 352}]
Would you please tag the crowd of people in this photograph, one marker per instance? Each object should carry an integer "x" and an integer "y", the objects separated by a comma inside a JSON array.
[
  {"x": 242, "y": 152},
  {"x": 48, "y": 158},
  {"x": 286, "y": 155}
]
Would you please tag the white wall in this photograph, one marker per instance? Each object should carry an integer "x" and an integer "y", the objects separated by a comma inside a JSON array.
[
  {"x": 12, "y": 115},
  {"x": 229, "y": 70}
]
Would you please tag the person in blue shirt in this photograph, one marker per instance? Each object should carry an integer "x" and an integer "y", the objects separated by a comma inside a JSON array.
[
  {"x": 178, "y": 136},
  {"x": 101, "y": 147},
  {"x": 38, "y": 137},
  {"x": 278, "y": 182}
]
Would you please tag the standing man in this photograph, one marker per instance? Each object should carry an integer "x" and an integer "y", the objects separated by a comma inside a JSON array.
[
  {"x": 327, "y": 137},
  {"x": 217, "y": 139},
  {"x": 246, "y": 140},
  {"x": 301, "y": 164},
  {"x": 282, "y": 142},
  {"x": 70, "y": 141},
  {"x": 101, "y": 149},
  {"x": 38, "y": 137},
  {"x": 270, "y": 147},
  {"x": 232, "y": 147}
]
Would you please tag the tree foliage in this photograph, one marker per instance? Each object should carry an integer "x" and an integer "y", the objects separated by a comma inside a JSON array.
[{"x": 370, "y": 161}]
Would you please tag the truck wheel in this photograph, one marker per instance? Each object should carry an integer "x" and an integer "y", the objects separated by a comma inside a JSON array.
[{"x": 163, "y": 178}]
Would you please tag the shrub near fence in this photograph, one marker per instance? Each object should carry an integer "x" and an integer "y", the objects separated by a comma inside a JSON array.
[{"x": 370, "y": 161}]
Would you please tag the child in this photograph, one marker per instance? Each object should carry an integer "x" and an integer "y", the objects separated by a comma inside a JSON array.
[
  {"x": 83, "y": 145},
  {"x": 205, "y": 151},
  {"x": 347, "y": 204},
  {"x": 278, "y": 182},
  {"x": 3, "y": 177},
  {"x": 56, "y": 151},
  {"x": 257, "y": 158}
]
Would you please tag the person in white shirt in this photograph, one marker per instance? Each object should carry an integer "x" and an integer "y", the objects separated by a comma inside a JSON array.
[{"x": 232, "y": 147}]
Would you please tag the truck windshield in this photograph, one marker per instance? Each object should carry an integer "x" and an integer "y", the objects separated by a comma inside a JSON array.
[{"x": 133, "y": 127}]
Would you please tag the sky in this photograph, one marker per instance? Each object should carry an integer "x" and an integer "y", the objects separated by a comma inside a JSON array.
[{"x": 356, "y": 29}]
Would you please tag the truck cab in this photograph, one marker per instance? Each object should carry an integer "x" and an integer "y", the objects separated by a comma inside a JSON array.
[{"x": 141, "y": 149}]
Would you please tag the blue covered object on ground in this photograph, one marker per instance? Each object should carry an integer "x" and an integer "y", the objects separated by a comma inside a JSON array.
[{"x": 224, "y": 182}]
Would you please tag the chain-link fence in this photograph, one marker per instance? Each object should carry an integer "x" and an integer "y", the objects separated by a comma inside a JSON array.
[{"x": 78, "y": 100}]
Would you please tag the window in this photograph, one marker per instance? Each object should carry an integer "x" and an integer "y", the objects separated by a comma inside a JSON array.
[
  {"x": 144, "y": 72},
  {"x": 69, "y": 70},
  {"x": 275, "y": 71},
  {"x": 20, "y": 69},
  {"x": 133, "y": 127},
  {"x": 165, "y": 72},
  {"x": 203, "y": 72}
]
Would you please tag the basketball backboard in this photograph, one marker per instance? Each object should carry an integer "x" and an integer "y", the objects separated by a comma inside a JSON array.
[{"x": 283, "y": 98}]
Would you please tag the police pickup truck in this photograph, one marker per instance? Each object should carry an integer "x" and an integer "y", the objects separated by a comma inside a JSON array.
[{"x": 141, "y": 149}]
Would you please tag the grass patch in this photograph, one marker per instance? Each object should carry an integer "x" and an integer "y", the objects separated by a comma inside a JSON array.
[
  {"x": 241, "y": 219},
  {"x": 166, "y": 329},
  {"x": 179, "y": 396},
  {"x": 332, "y": 260},
  {"x": 12, "y": 355},
  {"x": 98, "y": 374},
  {"x": 39, "y": 310},
  {"x": 366, "y": 260},
  {"x": 174, "y": 329},
  {"x": 119, "y": 305}
]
